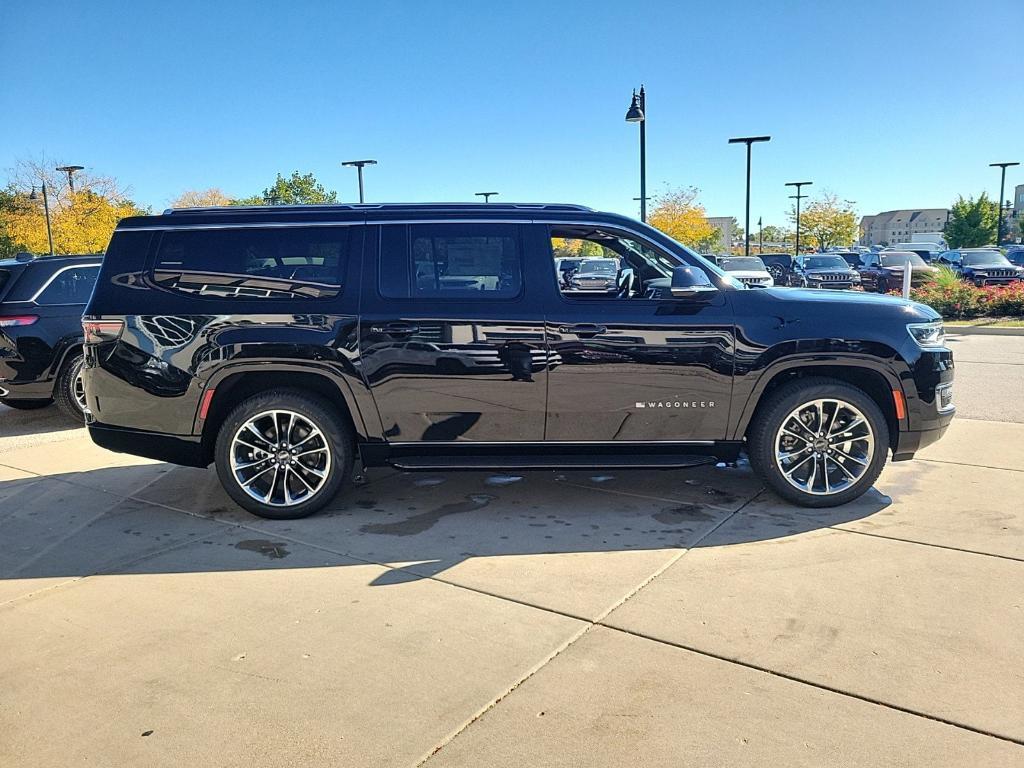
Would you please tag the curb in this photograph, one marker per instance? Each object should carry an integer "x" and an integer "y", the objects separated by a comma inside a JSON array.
[{"x": 981, "y": 330}]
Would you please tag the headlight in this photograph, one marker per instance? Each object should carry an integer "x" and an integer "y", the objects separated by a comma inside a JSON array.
[{"x": 928, "y": 335}]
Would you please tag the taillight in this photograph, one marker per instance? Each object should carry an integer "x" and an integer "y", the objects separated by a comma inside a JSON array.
[
  {"x": 98, "y": 331},
  {"x": 7, "y": 321}
]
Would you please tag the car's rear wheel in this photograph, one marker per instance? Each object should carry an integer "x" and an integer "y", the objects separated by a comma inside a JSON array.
[
  {"x": 26, "y": 405},
  {"x": 778, "y": 273},
  {"x": 818, "y": 442},
  {"x": 70, "y": 390},
  {"x": 283, "y": 454}
]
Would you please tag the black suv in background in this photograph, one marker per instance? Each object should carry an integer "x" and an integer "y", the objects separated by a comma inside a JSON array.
[
  {"x": 41, "y": 304},
  {"x": 282, "y": 342}
]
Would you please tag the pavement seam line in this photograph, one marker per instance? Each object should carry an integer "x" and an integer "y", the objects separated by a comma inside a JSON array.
[
  {"x": 590, "y": 623},
  {"x": 715, "y": 507},
  {"x": 925, "y": 544},
  {"x": 819, "y": 686},
  {"x": 966, "y": 464}
]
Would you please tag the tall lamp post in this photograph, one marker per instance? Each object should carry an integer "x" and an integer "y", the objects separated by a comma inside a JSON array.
[
  {"x": 798, "y": 197},
  {"x": 46, "y": 210},
  {"x": 70, "y": 171},
  {"x": 1002, "y": 189},
  {"x": 748, "y": 140},
  {"x": 359, "y": 165},
  {"x": 760, "y": 237},
  {"x": 637, "y": 113},
  {"x": 485, "y": 195}
]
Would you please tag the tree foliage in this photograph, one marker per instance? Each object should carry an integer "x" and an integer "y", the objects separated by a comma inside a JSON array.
[
  {"x": 197, "y": 198},
  {"x": 972, "y": 223},
  {"x": 81, "y": 220},
  {"x": 297, "y": 189},
  {"x": 677, "y": 213},
  {"x": 827, "y": 221}
]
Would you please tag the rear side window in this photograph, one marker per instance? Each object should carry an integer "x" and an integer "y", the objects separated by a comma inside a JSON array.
[
  {"x": 71, "y": 285},
  {"x": 244, "y": 263},
  {"x": 480, "y": 261}
]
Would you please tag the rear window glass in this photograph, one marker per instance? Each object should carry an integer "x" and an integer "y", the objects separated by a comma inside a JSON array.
[
  {"x": 70, "y": 286},
  {"x": 481, "y": 261},
  {"x": 254, "y": 263}
]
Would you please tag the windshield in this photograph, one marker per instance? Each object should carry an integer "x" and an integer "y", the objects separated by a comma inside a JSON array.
[
  {"x": 742, "y": 264},
  {"x": 900, "y": 259},
  {"x": 599, "y": 267},
  {"x": 825, "y": 262},
  {"x": 971, "y": 259}
]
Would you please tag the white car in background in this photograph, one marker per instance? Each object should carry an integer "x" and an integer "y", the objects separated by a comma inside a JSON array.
[{"x": 749, "y": 270}]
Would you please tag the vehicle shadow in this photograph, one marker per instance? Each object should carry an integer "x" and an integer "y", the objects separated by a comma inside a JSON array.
[
  {"x": 15, "y": 423},
  {"x": 164, "y": 519}
]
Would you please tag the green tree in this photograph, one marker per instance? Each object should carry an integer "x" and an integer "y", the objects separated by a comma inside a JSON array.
[
  {"x": 827, "y": 221},
  {"x": 972, "y": 223},
  {"x": 297, "y": 189}
]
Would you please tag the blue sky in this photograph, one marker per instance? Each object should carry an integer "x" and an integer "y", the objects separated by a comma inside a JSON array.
[{"x": 887, "y": 104}]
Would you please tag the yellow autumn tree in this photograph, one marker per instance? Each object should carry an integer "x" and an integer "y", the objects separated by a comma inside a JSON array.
[
  {"x": 827, "y": 221},
  {"x": 677, "y": 213},
  {"x": 197, "y": 198}
]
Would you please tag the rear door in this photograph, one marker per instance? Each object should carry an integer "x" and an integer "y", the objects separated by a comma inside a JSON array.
[
  {"x": 634, "y": 365},
  {"x": 451, "y": 336}
]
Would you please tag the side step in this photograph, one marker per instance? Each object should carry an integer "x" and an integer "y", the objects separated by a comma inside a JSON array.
[{"x": 550, "y": 461}]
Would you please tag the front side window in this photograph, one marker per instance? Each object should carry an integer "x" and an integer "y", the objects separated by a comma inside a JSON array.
[
  {"x": 70, "y": 286},
  {"x": 476, "y": 261},
  {"x": 254, "y": 263}
]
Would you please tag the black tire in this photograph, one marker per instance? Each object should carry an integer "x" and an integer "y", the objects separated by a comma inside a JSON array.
[
  {"x": 768, "y": 420},
  {"x": 883, "y": 285},
  {"x": 26, "y": 405},
  {"x": 338, "y": 440},
  {"x": 66, "y": 391}
]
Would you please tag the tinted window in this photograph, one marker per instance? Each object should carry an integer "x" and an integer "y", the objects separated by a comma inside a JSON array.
[
  {"x": 281, "y": 263},
  {"x": 70, "y": 286},
  {"x": 469, "y": 260},
  {"x": 973, "y": 258}
]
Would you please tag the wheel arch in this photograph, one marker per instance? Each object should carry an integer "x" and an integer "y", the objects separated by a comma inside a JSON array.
[
  {"x": 873, "y": 377},
  {"x": 233, "y": 386}
]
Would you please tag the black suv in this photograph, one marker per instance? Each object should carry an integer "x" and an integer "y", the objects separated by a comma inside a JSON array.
[
  {"x": 281, "y": 342},
  {"x": 41, "y": 304}
]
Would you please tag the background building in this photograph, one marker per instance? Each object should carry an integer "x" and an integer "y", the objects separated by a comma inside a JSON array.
[
  {"x": 1016, "y": 217},
  {"x": 898, "y": 226},
  {"x": 724, "y": 226}
]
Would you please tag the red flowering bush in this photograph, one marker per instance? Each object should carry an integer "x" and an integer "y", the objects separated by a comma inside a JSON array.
[{"x": 961, "y": 301}]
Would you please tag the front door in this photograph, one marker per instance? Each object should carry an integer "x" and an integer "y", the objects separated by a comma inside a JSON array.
[
  {"x": 449, "y": 345},
  {"x": 634, "y": 364}
]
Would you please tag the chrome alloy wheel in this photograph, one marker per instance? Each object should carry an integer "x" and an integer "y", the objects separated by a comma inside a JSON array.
[
  {"x": 78, "y": 391},
  {"x": 824, "y": 446},
  {"x": 280, "y": 458}
]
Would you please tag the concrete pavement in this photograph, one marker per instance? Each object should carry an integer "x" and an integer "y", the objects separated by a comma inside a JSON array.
[{"x": 544, "y": 618}]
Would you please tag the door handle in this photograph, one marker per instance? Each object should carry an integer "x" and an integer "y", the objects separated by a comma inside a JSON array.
[
  {"x": 583, "y": 330},
  {"x": 396, "y": 329}
]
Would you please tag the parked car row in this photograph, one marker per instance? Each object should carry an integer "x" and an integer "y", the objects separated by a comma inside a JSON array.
[{"x": 41, "y": 304}]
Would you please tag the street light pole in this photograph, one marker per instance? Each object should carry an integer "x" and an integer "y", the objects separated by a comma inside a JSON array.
[
  {"x": 46, "y": 210},
  {"x": 637, "y": 113},
  {"x": 70, "y": 171},
  {"x": 1002, "y": 189},
  {"x": 760, "y": 237},
  {"x": 748, "y": 140},
  {"x": 485, "y": 195},
  {"x": 359, "y": 165},
  {"x": 798, "y": 197}
]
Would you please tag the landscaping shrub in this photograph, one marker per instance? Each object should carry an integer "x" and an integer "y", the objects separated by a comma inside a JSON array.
[{"x": 957, "y": 300}]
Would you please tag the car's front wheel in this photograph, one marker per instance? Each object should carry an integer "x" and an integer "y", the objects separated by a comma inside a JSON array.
[
  {"x": 818, "y": 442},
  {"x": 283, "y": 454}
]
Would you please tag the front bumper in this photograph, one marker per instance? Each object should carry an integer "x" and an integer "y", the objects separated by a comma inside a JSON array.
[{"x": 910, "y": 442}]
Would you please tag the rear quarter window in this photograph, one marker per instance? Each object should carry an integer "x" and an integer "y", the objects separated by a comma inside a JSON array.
[
  {"x": 70, "y": 285},
  {"x": 254, "y": 263}
]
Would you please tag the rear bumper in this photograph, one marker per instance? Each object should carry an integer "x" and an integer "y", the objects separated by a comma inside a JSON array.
[
  {"x": 33, "y": 390},
  {"x": 176, "y": 449}
]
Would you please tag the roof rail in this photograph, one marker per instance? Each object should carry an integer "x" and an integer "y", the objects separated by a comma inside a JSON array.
[{"x": 379, "y": 206}]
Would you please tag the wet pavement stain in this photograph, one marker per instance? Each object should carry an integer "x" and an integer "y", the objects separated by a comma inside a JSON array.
[
  {"x": 275, "y": 550},
  {"x": 683, "y": 513},
  {"x": 427, "y": 520}
]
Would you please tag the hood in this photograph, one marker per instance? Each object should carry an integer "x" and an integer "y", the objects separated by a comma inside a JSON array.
[
  {"x": 850, "y": 301},
  {"x": 847, "y": 270},
  {"x": 757, "y": 274},
  {"x": 973, "y": 267}
]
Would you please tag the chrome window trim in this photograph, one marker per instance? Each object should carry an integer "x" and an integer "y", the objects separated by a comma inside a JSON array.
[{"x": 53, "y": 277}]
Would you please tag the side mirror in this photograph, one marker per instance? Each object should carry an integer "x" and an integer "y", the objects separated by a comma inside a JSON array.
[{"x": 688, "y": 282}]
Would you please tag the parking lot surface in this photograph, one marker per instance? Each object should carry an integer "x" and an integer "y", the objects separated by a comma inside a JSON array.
[{"x": 540, "y": 618}]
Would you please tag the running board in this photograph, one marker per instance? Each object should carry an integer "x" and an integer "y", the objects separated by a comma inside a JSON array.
[{"x": 550, "y": 461}]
